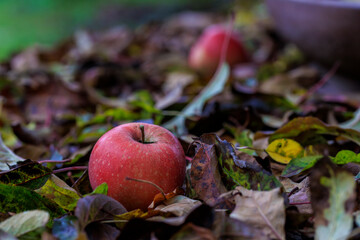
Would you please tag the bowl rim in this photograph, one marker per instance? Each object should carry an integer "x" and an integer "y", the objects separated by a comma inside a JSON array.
[{"x": 327, "y": 3}]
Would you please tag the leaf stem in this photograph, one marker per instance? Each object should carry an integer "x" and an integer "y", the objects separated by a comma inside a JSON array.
[
  {"x": 148, "y": 182},
  {"x": 142, "y": 128}
]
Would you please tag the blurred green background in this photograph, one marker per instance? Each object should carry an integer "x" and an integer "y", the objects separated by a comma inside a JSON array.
[{"x": 46, "y": 22}]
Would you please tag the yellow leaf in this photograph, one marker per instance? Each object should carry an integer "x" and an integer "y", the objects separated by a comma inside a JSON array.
[{"x": 283, "y": 150}]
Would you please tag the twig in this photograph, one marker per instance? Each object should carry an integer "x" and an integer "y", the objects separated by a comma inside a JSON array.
[
  {"x": 79, "y": 179},
  {"x": 115, "y": 221},
  {"x": 76, "y": 168},
  {"x": 148, "y": 182},
  {"x": 319, "y": 84},
  {"x": 299, "y": 203},
  {"x": 54, "y": 161}
]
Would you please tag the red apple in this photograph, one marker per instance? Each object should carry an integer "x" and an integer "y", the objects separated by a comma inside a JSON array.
[
  {"x": 122, "y": 153},
  {"x": 206, "y": 52}
]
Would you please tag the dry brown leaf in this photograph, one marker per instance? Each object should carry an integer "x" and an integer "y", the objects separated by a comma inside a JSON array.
[
  {"x": 263, "y": 209},
  {"x": 191, "y": 231},
  {"x": 161, "y": 197},
  {"x": 178, "y": 205},
  {"x": 301, "y": 196},
  {"x": 173, "y": 88}
]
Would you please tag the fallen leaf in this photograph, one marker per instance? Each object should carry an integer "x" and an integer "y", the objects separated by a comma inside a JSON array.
[
  {"x": 332, "y": 199},
  {"x": 225, "y": 227},
  {"x": 24, "y": 222},
  {"x": 357, "y": 218},
  {"x": 58, "y": 191},
  {"x": 192, "y": 232},
  {"x": 178, "y": 206},
  {"x": 97, "y": 207},
  {"x": 28, "y": 174},
  {"x": 17, "y": 199},
  {"x": 265, "y": 210},
  {"x": 137, "y": 213},
  {"x": 216, "y": 169},
  {"x": 160, "y": 197},
  {"x": 97, "y": 230},
  {"x": 299, "y": 165},
  {"x": 281, "y": 84},
  {"x": 7, "y": 157},
  {"x": 205, "y": 174},
  {"x": 301, "y": 196},
  {"x": 301, "y": 125},
  {"x": 346, "y": 156},
  {"x": 66, "y": 228},
  {"x": 89, "y": 81},
  {"x": 173, "y": 88},
  {"x": 283, "y": 150},
  {"x": 164, "y": 228},
  {"x": 6, "y": 236},
  {"x": 101, "y": 189},
  {"x": 214, "y": 87}
]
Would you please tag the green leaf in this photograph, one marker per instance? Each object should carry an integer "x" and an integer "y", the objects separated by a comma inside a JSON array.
[
  {"x": 144, "y": 101},
  {"x": 238, "y": 172},
  {"x": 333, "y": 200},
  {"x": 101, "y": 189},
  {"x": 299, "y": 165},
  {"x": 66, "y": 228},
  {"x": 115, "y": 114},
  {"x": 346, "y": 156},
  {"x": 18, "y": 199},
  {"x": 59, "y": 192},
  {"x": 303, "y": 125},
  {"x": 76, "y": 156},
  {"x": 7, "y": 157},
  {"x": 28, "y": 174},
  {"x": 214, "y": 87},
  {"x": 92, "y": 133},
  {"x": 25, "y": 222},
  {"x": 243, "y": 137}
]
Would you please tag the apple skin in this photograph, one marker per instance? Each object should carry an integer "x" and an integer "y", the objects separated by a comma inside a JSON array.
[
  {"x": 119, "y": 153},
  {"x": 205, "y": 54}
]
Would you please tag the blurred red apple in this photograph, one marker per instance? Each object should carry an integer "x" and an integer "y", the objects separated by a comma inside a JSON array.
[
  {"x": 206, "y": 52},
  {"x": 122, "y": 153}
]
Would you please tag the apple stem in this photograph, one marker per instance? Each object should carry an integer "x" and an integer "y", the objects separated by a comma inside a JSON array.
[
  {"x": 148, "y": 182},
  {"x": 142, "y": 128}
]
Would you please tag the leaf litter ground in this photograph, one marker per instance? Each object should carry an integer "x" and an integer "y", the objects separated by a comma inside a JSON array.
[{"x": 271, "y": 153}]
